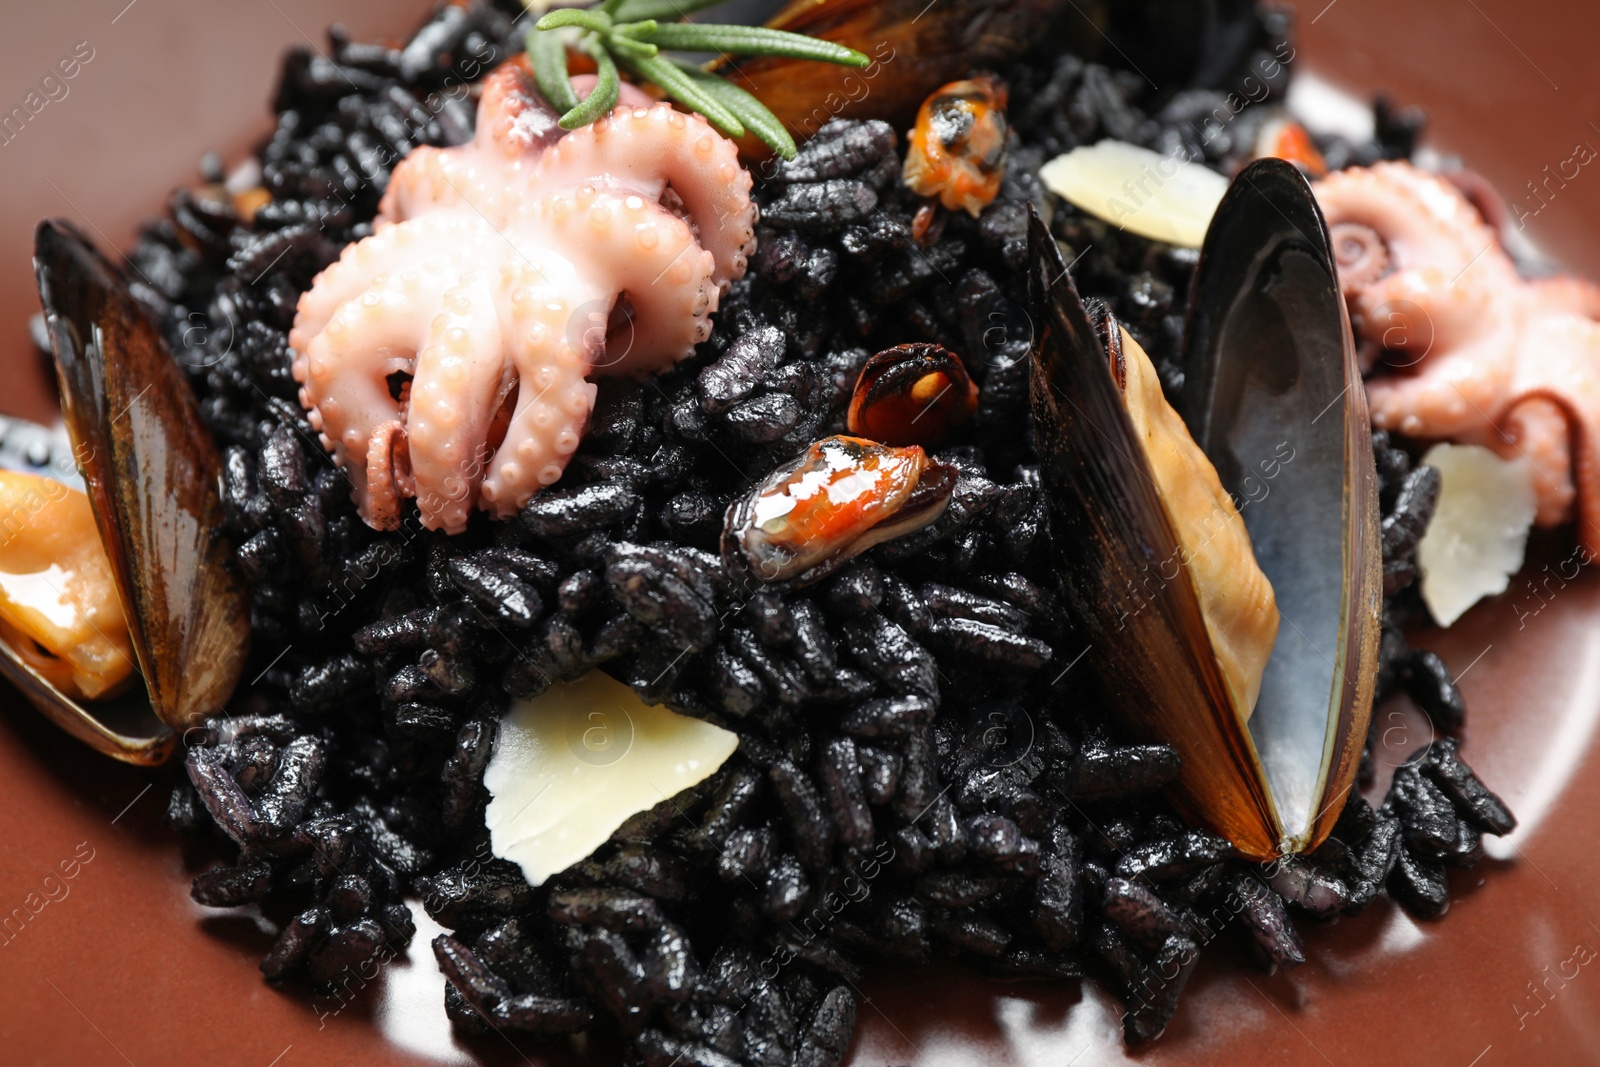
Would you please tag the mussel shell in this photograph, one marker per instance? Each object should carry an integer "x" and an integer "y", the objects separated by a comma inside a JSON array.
[
  {"x": 125, "y": 727},
  {"x": 1119, "y": 560},
  {"x": 153, "y": 477},
  {"x": 1270, "y": 360},
  {"x": 883, "y": 408},
  {"x": 1193, "y": 42},
  {"x": 915, "y": 48}
]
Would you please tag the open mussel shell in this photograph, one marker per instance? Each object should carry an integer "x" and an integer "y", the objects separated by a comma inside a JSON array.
[
  {"x": 1269, "y": 358},
  {"x": 1273, "y": 396},
  {"x": 152, "y": 474},
  {"x": 125, "y": 725}
]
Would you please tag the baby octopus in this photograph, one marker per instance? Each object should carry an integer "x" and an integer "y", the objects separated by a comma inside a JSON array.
[
  {"x": 445, "y": 357},
  {"x": 1474, "y": 353}
]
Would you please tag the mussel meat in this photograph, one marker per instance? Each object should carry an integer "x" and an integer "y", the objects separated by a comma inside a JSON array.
[
  {"x": 1275, "y": 416},
  {"x": 1284, "y": 138},
  {"x": 912, "y": 394},
  {"x": 840, "y": 497},
  {"x": 152, "y": 475},
  {"x": 957, "y": 149},
  {"x": 1235, "y": 599},
  {"x": 59, "y": 608}
]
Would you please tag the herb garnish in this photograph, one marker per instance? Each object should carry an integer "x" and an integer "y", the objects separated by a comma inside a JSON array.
[{"x": 634, "y": 34}]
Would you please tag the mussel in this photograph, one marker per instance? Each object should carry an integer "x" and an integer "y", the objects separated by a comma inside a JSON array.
[
  {"x": 915, "y": 47},
  {"x": 152, "y": 475},
  {"x": 1273, "y": 399},
  {"x": 911, "y": 394},
  {"x": 957, "y": 149},
  {"x": 837, "y": 499}
]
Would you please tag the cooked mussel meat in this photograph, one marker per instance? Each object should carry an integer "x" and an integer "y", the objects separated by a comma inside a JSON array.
[
  {"x": 912, "y": 394},
  {"x": 957, "y": 149},
  {"x": 1235, "y": 599},
  {"x": 1276, "y": 418},
  {"x": 59, "y": 609},
  {"x": 837, "y": 499}
]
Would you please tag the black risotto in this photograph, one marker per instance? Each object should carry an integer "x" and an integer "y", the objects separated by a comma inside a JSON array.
[{"x": 912, "y": 738}]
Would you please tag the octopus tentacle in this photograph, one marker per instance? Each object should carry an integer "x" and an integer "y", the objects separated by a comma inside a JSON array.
[
  {"x": 452, "y": 404},
  {"x": 515, "y": 118},
  {"x": 1560, "y": 357},
  {"x": 1537, "y": 429},
  {"x": 347, "y": 369},
  {"x": 388, "y": 475},
  {"x": 353, "y": 273},
  {"x": 1421, "y": 219},
  {"x": 1361, "y": 254},
  {"x": 1447, "y": 391},
  {"x": 700, "y": 166},
  {"x": 552, "y": 406},
  {"x": 652, "y": 258},
  {"x": 483, "y": 174},
  {"x": 515, "y": 124},
  {"x": 427, "y": 253},
  {"x": 1485, "y": 357},
  {"x": 1559, "y": 493},
  {"x": 515, "y": 127},
  {"x": 432, "y": 183},
  {"x": 1417, "y": 309}
]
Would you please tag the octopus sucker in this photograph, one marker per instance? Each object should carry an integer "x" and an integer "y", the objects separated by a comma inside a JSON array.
[
  {"x": 499, "y": 276},
  {"x": 1362, "y": 256},
  {"x": 388, "y": 474},
  {"x": 1474, "y": 353}
]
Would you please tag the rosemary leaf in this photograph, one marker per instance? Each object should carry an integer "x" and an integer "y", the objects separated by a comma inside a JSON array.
[
  {"x": 549, "y": 58},
  {"x": 627, "y": 46},
  {"x": 603, "y": 97},
  {"x": 755, "y": 115},
  {"x": 665, "y": 10},
  {"x": 752, "y": 41},
  {"x": 588, "y": 18},
  {"x": 678, "y": 85},
  {"x": 634, "y": 29}
]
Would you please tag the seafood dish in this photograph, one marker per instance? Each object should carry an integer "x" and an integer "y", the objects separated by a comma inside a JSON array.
[{"x": 698, "y": 529}]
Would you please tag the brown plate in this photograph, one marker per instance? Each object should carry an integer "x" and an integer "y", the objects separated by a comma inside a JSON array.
[{"x": 115, "y": 965}]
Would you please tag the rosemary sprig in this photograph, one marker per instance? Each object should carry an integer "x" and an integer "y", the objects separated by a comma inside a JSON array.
[{"x": 632, "y": 34}]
